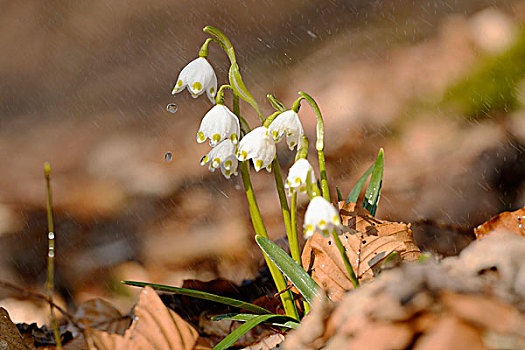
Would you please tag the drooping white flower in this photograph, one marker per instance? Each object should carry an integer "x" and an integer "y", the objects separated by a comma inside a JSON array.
[
  {"x": 259, "y": 147},
  {"x": 300, "y": 176},
  {"x": 198, "y": 76},
  {"x": 288, "y": 123},
  {"x": 218, "y": 124},
  {"x": 320, "y": 216},
  {"x": 222, "y": 156}
]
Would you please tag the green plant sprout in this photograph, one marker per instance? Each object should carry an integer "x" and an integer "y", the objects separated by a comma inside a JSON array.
[
  {"x": 233, "y": 144},
  {"x": 50, "y": 280}
]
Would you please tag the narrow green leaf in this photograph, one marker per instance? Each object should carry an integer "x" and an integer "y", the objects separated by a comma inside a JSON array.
[
  {"x": 278, "y": 320},
  {"x": 241, "y": 330},
  {"x": 373, "y": 191},
  {"x": 202, "y": 295},
  {"x": 295, "y": 273},
  {"x": 239, "y": 87},
  {"x": 354, "y": 194},
  {"x": 339, "y": 195}
]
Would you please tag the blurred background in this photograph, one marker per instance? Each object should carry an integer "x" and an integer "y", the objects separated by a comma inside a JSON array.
[{"x": 84, "y": 84}]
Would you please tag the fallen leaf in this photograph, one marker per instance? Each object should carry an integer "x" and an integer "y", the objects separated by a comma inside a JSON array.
[
  {"x": 367, "y": 241},
  {"x": 450, "y": 334},
  {"x": 485, "y": 312},
  {"x": 508, "y": 221},
  {"x": 154, "y": 327},
  {"x": 10, "y": 337},
  {"x": 267, "y": 343},
  {"x": 100, "y": 314}
]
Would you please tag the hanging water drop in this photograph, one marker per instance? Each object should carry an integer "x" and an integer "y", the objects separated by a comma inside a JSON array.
[
  {"x": 172, "y": 108},
  {"x": 168, "y": 157}
]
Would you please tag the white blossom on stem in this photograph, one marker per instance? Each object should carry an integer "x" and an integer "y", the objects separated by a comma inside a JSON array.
[
  {"x": 320, "y": 216},
  {"x": 198, "y": 76},
  {"x": 288, "y": 123},
  {"x": 219, "y": 124},
  {"x": 300, "y": 176},
  {"x": 222, "y": 156},
  {"x": 259, "y": 147}
]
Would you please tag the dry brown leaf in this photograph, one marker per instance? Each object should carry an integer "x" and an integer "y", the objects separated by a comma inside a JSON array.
[
  {"x": 267, "y": 343},
  {"x": 367, "y": 241},
  {"x": 508, "y": 221},
  {"x": 10, "y": 337},
  {"x": 100, "y": 314},
  {"x": 154, "y": 327},
  {"x": 450, "y": 334},
  {"x": 485, "y": 312}
]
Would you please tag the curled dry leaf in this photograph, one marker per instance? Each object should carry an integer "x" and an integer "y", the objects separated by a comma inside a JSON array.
[
  {"x": 154, "y": 327},
  {"x": 100, "y": 314},
  {"x": 10, "y": 337},
  {"x": 507, "y": 221},
  {"x": 367, "y": 240}
]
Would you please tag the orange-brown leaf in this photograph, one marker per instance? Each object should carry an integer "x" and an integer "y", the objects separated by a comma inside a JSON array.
[
  {"x": 509, "y": 221},
  {"x": 154, "y": 327},
  {"x": 101, "y": 315},
  {"x": 367, "y": 241}
]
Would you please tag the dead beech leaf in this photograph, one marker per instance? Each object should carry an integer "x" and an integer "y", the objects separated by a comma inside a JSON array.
[
  {"x": 509, "y": 221},
  {"x": 100, "y": 314},
  {"x": 10, "y": 337},
  {"x": 367, "y": 241},
  {"x": 154, "y": 327}
]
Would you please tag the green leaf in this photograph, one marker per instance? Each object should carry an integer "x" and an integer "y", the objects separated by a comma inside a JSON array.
[
  {"x": 241, "y": 330},
  {"x": 295, "y": 273},
  {"x": 276, "y": 104},
  {"x": 373, "y": 191},
  {"x": 278, "y": 320},
  {"x": 239, "y": 87},
  {"x": 339, "y": 195},
  {"x": 354, "y": 194},
  {"x": 202, "y": 295}
]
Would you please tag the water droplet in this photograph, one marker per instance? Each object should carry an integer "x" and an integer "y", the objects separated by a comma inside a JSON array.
[
  {"x": 168, "y": 157},
  {"x": 51, "y": 254},
  {"x": 172, "y": 108},
  {"x": 51, "y": 235}
]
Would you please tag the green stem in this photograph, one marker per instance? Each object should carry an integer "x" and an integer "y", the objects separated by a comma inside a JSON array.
[
  {"x": 319, "y": 144},
  {"x": 293, "y": 238},
  {"x": 258, "y": 225},
  {"x": 348, "y": 266},
  {"x": 51, "y": 254},
  {"x": 284, "y": 203}
]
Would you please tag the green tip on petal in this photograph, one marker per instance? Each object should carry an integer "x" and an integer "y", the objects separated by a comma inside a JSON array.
[
  {"x": 233, "y": 138},
  {"x": 200, "y": 136},
  {"x": 259, "y": 163},
  {"x": 244, "y": 154},
  {"x": 197, "y": 86},
  {"x": 204, "y": 160}
]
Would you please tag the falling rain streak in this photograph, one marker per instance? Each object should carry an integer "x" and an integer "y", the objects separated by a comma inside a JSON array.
[{"x": 172, "y": 108}]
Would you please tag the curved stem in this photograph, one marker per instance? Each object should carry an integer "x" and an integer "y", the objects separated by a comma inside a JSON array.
[
  {"x": 282, "y": 198},
  {"x": 348, "y": 266},
  {"x": 219, "y": 99},
  {"x": 319, "y": 144}
]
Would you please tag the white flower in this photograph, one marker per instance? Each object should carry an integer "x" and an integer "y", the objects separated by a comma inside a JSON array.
[
  {"x": 287, "y": 122},
  {"x": 320, "y": 216},
  {"x": 218, "y": 124},
  {"x": 222, "y": 156},
  {"x": 198, "y": 76},
  {"x": 300, "y": 176},
  {"x": 258, "y": 146}
]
